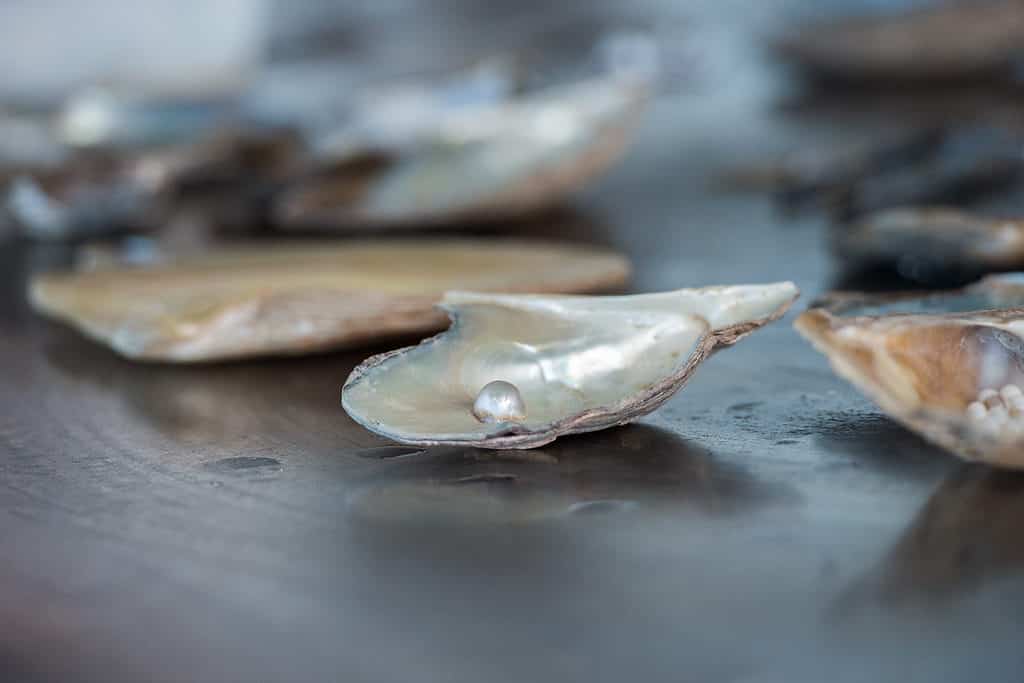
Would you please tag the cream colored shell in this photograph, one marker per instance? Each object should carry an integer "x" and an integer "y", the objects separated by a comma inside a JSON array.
[
  {"x": 579, "y": 363},
  {"x": 291, "y": 299}
]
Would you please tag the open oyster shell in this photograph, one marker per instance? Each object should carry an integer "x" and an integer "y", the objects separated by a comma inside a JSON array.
[
  {"x": 577, "y": 364},
  {"x": 499, "y": 162},
  {"x": 948, "y": 366},
  {"x": 294, "y": 299}
]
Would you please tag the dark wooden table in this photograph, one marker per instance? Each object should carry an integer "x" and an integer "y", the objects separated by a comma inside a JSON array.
[{"x": 767, "y": 525}]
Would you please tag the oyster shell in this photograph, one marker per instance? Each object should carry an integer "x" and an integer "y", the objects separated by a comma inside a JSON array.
[
  {"x": 578, "y": 364},
  {"x": 496, "y": 163},
  {"x": 949, "y": 40},
  {"x": 926, "y": 239},
  {"x": 948, "y": 366},
  {"x": 294, "y": 299}
]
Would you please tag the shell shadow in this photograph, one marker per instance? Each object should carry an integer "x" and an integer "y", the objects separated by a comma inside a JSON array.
[
  {"x": 874, "y": 440},
  {"x": 213, "y": 403},
  {"x": 630, "y": 470},
  {"x": 965, "y": 536}
]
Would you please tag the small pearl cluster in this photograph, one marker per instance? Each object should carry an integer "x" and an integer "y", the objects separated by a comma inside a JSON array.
[{"x": 1000, "y": 411}]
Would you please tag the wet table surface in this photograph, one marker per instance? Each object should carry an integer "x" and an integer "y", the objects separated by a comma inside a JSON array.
[{"x": 768, "y": 524}]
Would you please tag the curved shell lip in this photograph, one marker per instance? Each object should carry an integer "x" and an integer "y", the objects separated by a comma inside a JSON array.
[{"x": 516, "y": 436}]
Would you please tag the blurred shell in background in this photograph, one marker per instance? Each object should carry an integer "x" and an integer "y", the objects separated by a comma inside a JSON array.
[
  {"x": 463, "y": 149},
  {"x": 489, "y": 162},
  {"x": 933, "y": 240}
]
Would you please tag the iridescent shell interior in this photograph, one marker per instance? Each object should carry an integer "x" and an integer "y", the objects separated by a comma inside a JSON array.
[{"x": 578, "y": 363}]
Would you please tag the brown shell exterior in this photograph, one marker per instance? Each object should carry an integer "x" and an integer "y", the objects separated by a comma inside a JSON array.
[{"x": 854, "y": 360}]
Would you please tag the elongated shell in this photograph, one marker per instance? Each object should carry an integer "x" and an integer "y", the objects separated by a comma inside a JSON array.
[
  {"x": 579, "y": 363},
  {"x": 952, "y": 377},
  {"x": 292, "y": 299},
  {"x": 506, "y": 161}
]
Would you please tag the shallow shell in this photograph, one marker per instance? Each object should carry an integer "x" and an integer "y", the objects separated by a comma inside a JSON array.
[
  {"x": 954, "y": 377},
  {"x": 498, "y": 163},
  {"x": 578, "y": 363},
  {"x": 293, "y": 299}
]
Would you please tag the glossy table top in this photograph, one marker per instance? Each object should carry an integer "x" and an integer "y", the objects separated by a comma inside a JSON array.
[{"x": 229, "y": 522}]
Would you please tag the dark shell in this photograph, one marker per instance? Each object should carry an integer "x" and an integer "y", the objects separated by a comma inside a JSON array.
[{"x": 933, "y": 242}]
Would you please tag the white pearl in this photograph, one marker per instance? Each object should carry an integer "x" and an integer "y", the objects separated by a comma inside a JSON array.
[
  {"x": 976, "y": 410},
  {"x": 1010, "y": 391},
  {"x": 499, "y": 401}
]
